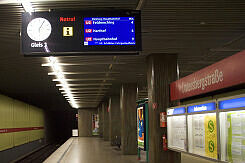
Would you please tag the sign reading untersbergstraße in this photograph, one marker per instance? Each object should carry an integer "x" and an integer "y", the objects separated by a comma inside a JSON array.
[{"x": 225, "y": 73}]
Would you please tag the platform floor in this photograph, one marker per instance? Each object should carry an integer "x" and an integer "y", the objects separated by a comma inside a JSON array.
[{"x": 89, "y": 150}]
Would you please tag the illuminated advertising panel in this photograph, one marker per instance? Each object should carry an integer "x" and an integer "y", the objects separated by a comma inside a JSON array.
[
  {"x": 95, "y": 124},
  {"x": 81, "y": 32},
  {"x": 141, "y": 127}
]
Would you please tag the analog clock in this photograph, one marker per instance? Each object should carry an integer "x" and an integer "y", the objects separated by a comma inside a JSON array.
[{"x": 39, "y": 29}]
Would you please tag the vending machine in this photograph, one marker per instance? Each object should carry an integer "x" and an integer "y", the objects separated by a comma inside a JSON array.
[{"x": 142, "y": 130}]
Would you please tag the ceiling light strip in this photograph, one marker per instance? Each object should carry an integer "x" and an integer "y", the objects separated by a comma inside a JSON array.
[
  {"x": 57, "y": 70},
  {"x": 26, "y": 4}
]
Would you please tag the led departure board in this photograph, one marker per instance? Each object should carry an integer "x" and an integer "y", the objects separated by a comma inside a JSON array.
[{"x": 81, "y": 33}]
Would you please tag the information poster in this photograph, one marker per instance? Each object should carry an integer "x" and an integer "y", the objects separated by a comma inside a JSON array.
[
  {"x": 141, "y": 127},
  {"x": 199, "y": 134},
  {"x": 236, "y": 137},
  {"x": 177, "y": 132},
  {"x": 210, "y": 136},
  {"x": 203, "y": 134}
]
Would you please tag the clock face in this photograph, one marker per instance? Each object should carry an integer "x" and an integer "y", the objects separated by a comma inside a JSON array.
[{"x": 39, "y": 29}]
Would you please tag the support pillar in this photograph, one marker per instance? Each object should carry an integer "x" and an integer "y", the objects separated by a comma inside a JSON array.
[
  {"x": 85, "y": 122},
  {"x": 161, "y": 71},
  {"x": 114, "y": 120},
  {"x": 100, "y": 112},
  {"x": 105, "y": 121},
  {"x": 128, "y": 118}
]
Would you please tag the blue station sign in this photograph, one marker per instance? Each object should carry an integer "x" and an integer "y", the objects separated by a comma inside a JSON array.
[
  {"x": 175, "y": 111},
  {"x": 202, "y": 107},
  {"x": 232, "y": 103}
]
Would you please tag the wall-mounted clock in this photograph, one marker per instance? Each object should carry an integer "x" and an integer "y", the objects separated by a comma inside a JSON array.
[{"x": 39, "y": 29}]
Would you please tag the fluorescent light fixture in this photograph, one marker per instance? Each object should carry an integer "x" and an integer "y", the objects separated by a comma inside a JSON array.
[
  {"x": 26, "y": 4},
  {"x": 57, "y": 70},
  {"x": 91, "y": 84},
  {"x": 86, "y": 88}
]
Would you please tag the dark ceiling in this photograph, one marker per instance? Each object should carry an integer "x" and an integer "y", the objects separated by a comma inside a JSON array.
[{"x": 201, "y": 32}]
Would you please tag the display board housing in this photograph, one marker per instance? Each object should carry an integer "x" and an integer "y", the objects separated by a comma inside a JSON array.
[
  {"x": 215, "y": 129},
  {"x": 193, "y": 129},
  {"x": 232, "y": 129},
  {"x": 99, "y": 32},
  {"x": 177, "y": 132},
  {"x": 202, "y": 135}
]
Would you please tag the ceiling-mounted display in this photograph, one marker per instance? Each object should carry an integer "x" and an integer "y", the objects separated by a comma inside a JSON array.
[
  {"x": 109, "y": 31},
  {"x": 81, "y": 32}
]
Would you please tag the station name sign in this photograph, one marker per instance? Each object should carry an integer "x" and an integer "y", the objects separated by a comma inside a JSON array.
[
  {"x": 77, "y": 32},
  {"x": 223, "y": 74}
]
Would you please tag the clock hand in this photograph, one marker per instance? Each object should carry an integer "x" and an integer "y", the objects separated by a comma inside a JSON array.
[{"x": 41, "y": 26}]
